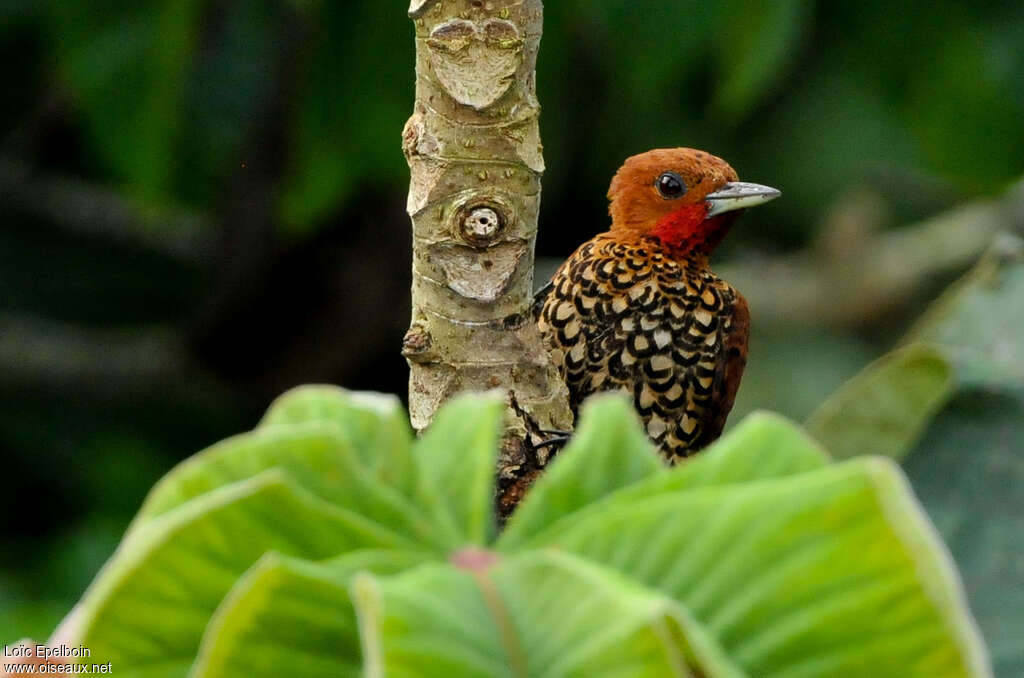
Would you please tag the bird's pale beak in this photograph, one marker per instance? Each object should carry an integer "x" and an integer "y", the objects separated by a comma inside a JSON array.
[{"x": 737, "y": 195}]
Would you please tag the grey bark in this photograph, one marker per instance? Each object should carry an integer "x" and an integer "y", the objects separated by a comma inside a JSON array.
[{"x": 474, "y": 151}]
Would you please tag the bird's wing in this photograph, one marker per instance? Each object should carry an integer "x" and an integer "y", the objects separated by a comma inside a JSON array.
[
  {"x": 575, "y": 315},
  {"x": 732, "y": 359}
]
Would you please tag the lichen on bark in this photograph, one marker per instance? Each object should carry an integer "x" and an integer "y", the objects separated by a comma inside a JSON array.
[{"x": 474, "y": 152}]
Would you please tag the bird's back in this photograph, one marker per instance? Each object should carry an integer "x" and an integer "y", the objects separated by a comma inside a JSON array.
[{"x": 624, "y": 314}]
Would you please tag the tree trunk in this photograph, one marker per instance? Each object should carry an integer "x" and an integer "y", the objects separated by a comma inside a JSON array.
[{"x": 474, "y": 151}]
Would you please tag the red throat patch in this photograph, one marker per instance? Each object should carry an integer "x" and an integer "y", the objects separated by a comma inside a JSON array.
[{"x": 684, "y": 228}]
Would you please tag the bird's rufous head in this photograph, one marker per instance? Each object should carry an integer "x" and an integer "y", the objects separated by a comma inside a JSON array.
[{"x": 685, "y": 197}]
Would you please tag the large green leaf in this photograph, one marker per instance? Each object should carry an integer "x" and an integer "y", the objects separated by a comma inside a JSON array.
[
  {"x": 885, "y": 408},
  {"x": 148, "y": 607},
  {"x": 455, "y": 458},
  {"x": 828, "y": 572},
  {"x": 353, "y": 449},
  {"x": 763, "y": 445},
  {"x": 375, "y": 423},
  {"x": 292, "y": 617},
  {"x": 298, "y": 486},
  {"x": 539, "y": 614},
  {"x": 315, "y": 454},
  {"x": 737, "y": 562}
]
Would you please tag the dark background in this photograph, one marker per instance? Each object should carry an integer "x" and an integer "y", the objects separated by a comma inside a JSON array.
[{"x": 202, "y": 204}]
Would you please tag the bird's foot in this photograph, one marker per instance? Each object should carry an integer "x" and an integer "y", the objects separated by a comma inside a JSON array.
[{"x": 546, "y": 438}]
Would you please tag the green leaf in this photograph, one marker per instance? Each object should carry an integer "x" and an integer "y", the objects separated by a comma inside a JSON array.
[
  {"x": 353, "y": 449},
  {"x": 455, "y": 458},
  {"x": 885, "y": 408},
  {"x": 608, "y": 451},
  {"x": 763, "y": 445},
  {"x": 147, "y": 609},
  {"x": 376, "y": 423},
  {"x": 308, "y": 452},
  {"x": 315, "y": 454},
  {"x": 292, "y": 617},
  {"x": 829, "y": 572},
  {"x": 577, "y": 620}
]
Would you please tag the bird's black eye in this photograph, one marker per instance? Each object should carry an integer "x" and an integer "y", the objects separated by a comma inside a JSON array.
[{"x": 670, "y": 185}]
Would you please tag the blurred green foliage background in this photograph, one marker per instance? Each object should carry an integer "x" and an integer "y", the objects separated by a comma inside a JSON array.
[{"x": 202, "y": 204}]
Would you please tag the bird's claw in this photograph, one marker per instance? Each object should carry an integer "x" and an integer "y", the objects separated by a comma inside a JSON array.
[{"x": 556, "y": 438}]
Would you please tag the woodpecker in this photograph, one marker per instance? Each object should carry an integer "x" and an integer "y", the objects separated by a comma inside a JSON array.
[{"x": 638, "y": 309}]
